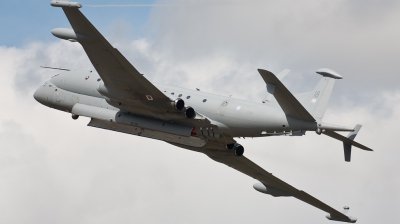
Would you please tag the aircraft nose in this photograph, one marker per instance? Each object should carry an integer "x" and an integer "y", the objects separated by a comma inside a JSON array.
[{"x": 40, "y": 95}]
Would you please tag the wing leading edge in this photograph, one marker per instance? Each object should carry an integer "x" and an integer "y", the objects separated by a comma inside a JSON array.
[
  {"x": 289, "y": 104},
  {"x": 115, "y": 70},
  {"x": 269, "y": 183}
]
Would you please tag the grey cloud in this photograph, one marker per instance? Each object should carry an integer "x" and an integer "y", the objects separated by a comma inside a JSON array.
[{"x": 357, "y": 39}]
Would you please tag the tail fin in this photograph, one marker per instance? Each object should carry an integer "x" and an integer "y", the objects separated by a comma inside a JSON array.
[{"x": 317, "y": 100}]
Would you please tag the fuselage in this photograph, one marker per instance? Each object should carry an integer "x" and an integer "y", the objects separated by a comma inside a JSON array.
[{"x": 242, "y": 118}]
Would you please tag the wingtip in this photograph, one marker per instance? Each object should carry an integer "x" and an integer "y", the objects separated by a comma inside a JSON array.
[
  {"x": 342, "y": 219},
  {"x": 264, "y": 71}
]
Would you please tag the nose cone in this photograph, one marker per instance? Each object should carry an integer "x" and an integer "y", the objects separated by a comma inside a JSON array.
[{"x": 40, "y": 95}]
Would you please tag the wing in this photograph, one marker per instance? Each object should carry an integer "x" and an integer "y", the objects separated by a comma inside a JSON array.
[
  {"x": 112, "y": 66},
  {"x": 289, "y": 104},
  {"x": 269, "y": 183}
]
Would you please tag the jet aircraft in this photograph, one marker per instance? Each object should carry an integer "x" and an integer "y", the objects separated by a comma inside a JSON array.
[{"x": 119, "y": 98}]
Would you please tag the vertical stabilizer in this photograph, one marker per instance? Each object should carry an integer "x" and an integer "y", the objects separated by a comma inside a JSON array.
[{"x": 317, "y": 100}]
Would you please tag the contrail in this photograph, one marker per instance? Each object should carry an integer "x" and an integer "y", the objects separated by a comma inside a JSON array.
[
  {"x": 170, "y": 5},
  {"x": 137, "y": 5}
]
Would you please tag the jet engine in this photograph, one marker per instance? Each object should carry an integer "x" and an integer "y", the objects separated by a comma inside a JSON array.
[
  {"x": 189, "y": 112},
  {"x": 179, "y": 104},
  {"x": 237, "y": 148}
]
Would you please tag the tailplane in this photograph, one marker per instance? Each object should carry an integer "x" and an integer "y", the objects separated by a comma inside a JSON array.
[{"x": 348, "y": 141}]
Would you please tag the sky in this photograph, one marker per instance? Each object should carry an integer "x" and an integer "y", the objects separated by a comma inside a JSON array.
[{"x": 57, "y": 170}]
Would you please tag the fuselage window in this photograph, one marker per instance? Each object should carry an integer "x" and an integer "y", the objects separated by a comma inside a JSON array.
[
  {"x": 99, "y": 79},
  {"x": 172, "y": 93},
  {"x": 180, "y": 95},
  {"x": 188, "y": 97},
  {"x": 87, "y": 77},
  {"x": 205, "y": 100}
]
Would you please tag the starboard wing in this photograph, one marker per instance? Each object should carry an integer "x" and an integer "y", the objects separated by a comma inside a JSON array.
[
  {"x": 115, "y": 70},
  {"x": 289, "y": 104}
]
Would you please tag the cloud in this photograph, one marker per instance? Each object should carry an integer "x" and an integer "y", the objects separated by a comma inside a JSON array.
[
  {"x": 56, "y": 170},
  {"x": 357, "y": 39},
  {"x": 26, "y": 71}
]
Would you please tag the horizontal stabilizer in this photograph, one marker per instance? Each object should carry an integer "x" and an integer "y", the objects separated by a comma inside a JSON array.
[
  {"x": 348, "y": 141},
  {"x": 337, "y": 136},
  {"x": 289, "y": 104}
]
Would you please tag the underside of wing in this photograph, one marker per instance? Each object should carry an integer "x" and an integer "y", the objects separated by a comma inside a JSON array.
[{"x": 269, "y": 183}]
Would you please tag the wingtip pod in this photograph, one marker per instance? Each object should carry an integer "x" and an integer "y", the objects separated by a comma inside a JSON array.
[
  {"x": 271, "y": 191},
  {"x": 69, "y": 34},
  {"x": 65, "y": 3},
  {"x": 340, "y": 219}
]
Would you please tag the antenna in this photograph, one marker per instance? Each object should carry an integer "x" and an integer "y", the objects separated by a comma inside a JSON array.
[{"x": 64, "y": 69}]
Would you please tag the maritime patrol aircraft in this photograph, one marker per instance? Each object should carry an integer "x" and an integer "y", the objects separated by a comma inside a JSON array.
[{"x": 119, "y": 98}]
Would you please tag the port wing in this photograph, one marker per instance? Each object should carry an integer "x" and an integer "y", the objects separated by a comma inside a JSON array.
[{"x": 269, "y": 183}]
